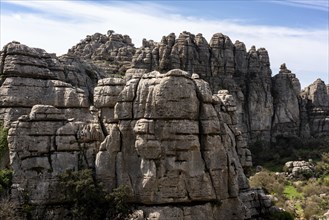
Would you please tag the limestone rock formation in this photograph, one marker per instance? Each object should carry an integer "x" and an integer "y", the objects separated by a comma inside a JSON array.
[
  {"x": 315, "y": 108},
  {"x": 224, "y": 65},
  {"x": 182, "y": 141},
  {"x": 30, "y": 76},
  {"x": 165, "y": 125},
  {"x": 166, "y": 136},
  {"x": 266, "y": 107},
  {"x": 175, "y": 129},
  {"x": 112, "y": 52},
  {"x": 299, "y": 169},
  {"x": 286, "y": 89}
]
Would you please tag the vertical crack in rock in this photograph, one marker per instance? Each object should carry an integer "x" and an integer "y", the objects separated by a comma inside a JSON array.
[
  {"x": 2, "y": 64},
  {"x": 50, "y": 162},
  {"x": 134, "y": 98},
  {"x": 201, "y": 134},
  {"x": 102, "y": 125},
  {"x": 82, "y": 150}
]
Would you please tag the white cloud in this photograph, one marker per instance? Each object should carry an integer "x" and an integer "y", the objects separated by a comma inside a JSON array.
[
  {"x": 59, "y": 25},
  {"x": 322, "y": 5}
]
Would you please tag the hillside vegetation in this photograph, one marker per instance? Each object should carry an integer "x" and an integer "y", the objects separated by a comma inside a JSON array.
[{"x": 305, "y": 196}]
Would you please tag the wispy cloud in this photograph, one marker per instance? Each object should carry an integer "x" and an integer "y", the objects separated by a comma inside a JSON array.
[
  {"x": 322, "y": 5},
  {"x": 58, "y": 25}
]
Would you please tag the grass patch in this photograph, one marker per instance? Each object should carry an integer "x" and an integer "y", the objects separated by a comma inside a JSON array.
[
  {"x": 299, "y": 208},
  {"x": 292, "y": 193}
]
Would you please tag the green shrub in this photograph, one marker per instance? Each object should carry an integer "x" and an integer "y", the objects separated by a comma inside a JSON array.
[
  {"x": 279, "y": 215},
  {"x": 118, "y": 202},
  {"x": 271, "y": 183},
  {"x": 87, "y": 200},
  {"x": 84, "y": 198},
  {"x": 3, "y": 141},
  {"x": 325, "y": 180},
  {"x": 315, "y": 187},
  {"x": 311, "y": 207},
  {"x": 5, "y": 180},
  {"x": 322, "y": 167},
  {"x": 27, "y": 207}
]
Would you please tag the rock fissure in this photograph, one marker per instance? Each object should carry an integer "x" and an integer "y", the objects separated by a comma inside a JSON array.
[{"x": 2, "y": 64}]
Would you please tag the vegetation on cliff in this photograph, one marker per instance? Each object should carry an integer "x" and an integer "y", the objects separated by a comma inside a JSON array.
[
  {"x": 273, "y": 155},
  {"x": 3, "y": 142},
  {"x": 86, "y": 199},
  {"x": 305, "y": 198}
]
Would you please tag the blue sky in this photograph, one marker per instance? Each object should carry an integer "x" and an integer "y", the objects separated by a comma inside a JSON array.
[{"x": 293, "y": 31}]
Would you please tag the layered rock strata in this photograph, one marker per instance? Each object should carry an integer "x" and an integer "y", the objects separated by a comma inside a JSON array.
[
  {"x": 44, "y": 144},
  {"x": 286, "y": 114},
  {"x": 166, "y": 136},
  {"x": 315, "y": 108},
  {"x": 45, "y": 101},
  {"x": 267, "y": 106},
  {"x": 30, "y": 76},
  {"x": 179, "y": 135},
  {"x": 115, "y": 49},
  {"x": 178, "y": 142}
]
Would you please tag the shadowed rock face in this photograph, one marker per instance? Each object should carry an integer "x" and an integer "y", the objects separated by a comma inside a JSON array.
[
  {"x": 177, "y": 138},
  {"x": 286, "y": 117},
  {"x": 315, "y": 108}
]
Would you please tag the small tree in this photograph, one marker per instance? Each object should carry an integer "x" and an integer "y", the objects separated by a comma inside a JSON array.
[
  {"x": 119, "y": 208},
  {"x": 5, "y": 180},
  {"x": 322, "y": 167},
  {"x": 87, "y": 200},
  {"x": 3, "y": 142}
]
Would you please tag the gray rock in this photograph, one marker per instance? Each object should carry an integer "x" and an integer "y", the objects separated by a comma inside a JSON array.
[
  {"x": 286, "y": 89},
  {"x": 314, "y": 108},
  {"x": 175, "y": 129},
  {"x": 299, "y": 169}
]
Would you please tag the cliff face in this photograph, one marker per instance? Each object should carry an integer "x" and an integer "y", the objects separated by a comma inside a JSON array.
[
  {"x": 315, "y": 108},
  {"x": 175, "y": 130},
  {"x": 180, "y": 137},
  {"x": 287, "y": 117},
  {"x": 165, "y": 136},
  {"x": 267, "y": 106}
]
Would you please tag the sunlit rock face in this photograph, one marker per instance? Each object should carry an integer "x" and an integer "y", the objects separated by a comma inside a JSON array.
[
  {"x": 175, "y": 129},
  {"x": 267, "y": 107},
  {"x": 173, "y": 142}
]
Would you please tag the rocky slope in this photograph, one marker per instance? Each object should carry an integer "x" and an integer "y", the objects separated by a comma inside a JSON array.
[{"x": 175, "y": 129}]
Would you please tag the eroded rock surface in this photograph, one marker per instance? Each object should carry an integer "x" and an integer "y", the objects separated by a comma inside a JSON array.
[
  {"x": 266, "y": 107},
  {"x": 287, "y": 118},
  {"x": 181, "y": 144},
  {"x": 44, "y": 144},
  {"x": 299, "y": 169},
  {"x": 175, "y": 129},
  {"x": 115, "y": 49},
  {"x": 30, "y": 76},
  {"x": 315, "y": 108}
]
